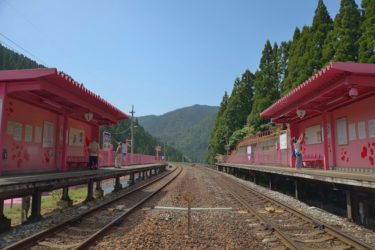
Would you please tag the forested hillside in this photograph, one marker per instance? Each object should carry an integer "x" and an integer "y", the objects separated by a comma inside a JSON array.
[
  {"x": 144, "y": 142},
  {"x": 12, "y": 60},
  {"x": 350, "y": 36},
  {"x": 186, "y": 129}
]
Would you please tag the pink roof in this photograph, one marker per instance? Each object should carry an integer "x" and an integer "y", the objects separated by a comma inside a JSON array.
[
  {"x": 317, "y": 84},
  {"x": 54, "y": 77}
]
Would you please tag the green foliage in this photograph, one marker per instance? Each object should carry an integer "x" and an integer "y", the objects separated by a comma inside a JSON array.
[
  {"x": 12, "y": 60},
  {"x": 367, "y": 40},
  {"x": 238, "y": 135},
  {"x": 266, "y": 84},
  {"x": 144, "y": 143},
  {"x": 232, "y": 114},
  {"x": 321, "y": 26},
  {"x": 187, "y": 129},
  {"x": 342, "y": 43}
]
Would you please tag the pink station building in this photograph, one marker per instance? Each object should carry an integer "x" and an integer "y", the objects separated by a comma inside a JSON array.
[
  {"x": 335, "y": 109},
  {"x": 47, "y": 120}
]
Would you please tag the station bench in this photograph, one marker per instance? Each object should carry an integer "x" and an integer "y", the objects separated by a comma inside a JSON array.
[
  {"x": 77, "y": 161},
  {"x": 312, "y": 160}
]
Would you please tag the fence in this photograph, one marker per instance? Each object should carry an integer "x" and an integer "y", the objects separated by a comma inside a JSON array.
[
  {"x": 261, "y": 149},
  {"x": 107, "y": 159}
]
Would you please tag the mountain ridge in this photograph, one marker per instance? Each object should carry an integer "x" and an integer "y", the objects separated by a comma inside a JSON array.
[{"x": 186, "y": 129}]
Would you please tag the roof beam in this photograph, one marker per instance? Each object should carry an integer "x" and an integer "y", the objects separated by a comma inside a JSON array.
[{"x": 74, "y": 99}]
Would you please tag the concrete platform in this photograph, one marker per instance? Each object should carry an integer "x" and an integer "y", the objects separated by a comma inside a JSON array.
[
  {"x": 25, "y": 184},
  {"x": 331, "y": 176}
]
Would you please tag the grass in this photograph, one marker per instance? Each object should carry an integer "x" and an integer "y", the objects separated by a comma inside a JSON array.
[{"x": 49, "y": 203}]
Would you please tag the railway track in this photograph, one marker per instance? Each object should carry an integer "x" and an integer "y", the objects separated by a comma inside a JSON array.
[
  {"x": 284, "y": 224},
  {"x": 81, "y": 231}
]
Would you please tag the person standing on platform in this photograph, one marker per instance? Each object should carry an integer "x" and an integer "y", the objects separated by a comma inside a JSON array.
[
  {"x": 118, "y": 158},
  {"x": 93, "y": 151},
  {"x": 297, "y": 150},
  {"x": 124, "y": 149}
]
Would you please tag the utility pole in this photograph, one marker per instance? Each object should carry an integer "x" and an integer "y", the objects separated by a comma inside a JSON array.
[{"x": 132, "y": 133}]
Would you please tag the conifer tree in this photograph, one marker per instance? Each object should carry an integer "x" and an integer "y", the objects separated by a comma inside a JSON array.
[
  {"x": 342, "y": 43},
  {"x": 293, "y": 46},
  {"x": 299, "y": 68},
  {"x": 283, "y": 57},
  {"x": 321, "y": 26},
  {"x": 239, "y": 104},
  {"x": 266, "y": 84},
  {"x": 216, "y": 139},
  {"x": 367, "y": 40}
]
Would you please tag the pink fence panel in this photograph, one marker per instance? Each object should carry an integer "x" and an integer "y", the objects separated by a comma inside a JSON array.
[{"x": 107, "y": 159}]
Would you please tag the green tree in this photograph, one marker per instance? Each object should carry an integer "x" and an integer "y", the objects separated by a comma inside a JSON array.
[
  {"x": 299, "y": 64},
  {"x": 342, "y": 43},
  {"x": 239, "y": 104},
  {"x": 367, "y": 40},
  {"x": 266, "y": 84},
  {"x": 217, "y": 139},
  {"x": 321, "y": 26}
]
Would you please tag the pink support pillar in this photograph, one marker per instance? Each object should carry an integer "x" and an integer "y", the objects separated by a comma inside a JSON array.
[
  {"x": 3, "y": 125},
  {"x": 57, "y": 142},
  {"x": 333, "y": 138},
  {"x": 293, "y": 133},
  {"x": 63, "y": 151},
  {"x": 325, "y": 141}
]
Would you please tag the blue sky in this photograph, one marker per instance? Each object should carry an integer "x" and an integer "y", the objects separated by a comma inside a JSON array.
[{"x": 156, "y": 54}]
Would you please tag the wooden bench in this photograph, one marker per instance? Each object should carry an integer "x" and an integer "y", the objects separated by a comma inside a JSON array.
[
  {"x": 77, "y": 161},
  {"x": 312, "y": 160}
]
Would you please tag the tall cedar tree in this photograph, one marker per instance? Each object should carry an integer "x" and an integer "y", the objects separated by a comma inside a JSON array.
[
  {"x": 283, "y": 56},
  {"x": 266, "y": 86},
  {"x": 342, "y": 43},
  {"x": 239, "y": 104},
  {"x": 367, "y": 40},
  {"x": 299, "y": 60},
  {"x": 293, "y": 47},
  {"x": 321, "y": 26},
  {"x": 217, "y": 139}
]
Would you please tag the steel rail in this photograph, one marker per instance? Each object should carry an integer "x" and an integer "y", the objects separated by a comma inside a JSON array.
[
  {"x": 31, "y": 240},
  {"x": 121, "y": 217},
  {"x": 335, "y": 232},
  {"x": 285, "y": 239},
  {"x": 348, "y": 239}
]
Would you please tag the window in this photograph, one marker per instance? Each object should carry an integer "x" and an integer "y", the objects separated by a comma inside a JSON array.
[
  {"x": 313, "y": 135},
  {"x": 48, "y": 135},
  {"x": 342, "y": 131}
]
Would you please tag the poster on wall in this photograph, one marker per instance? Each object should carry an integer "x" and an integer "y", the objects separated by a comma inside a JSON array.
[
  {"x": 76, "y": 137},
  {"x": 352, "y": 132},
  {"x": 28, "y": 133},
  {"x": 38, "y": 135},
  {"x": 361, "y": 130},
  {"x": 48, "y": 134},
  {"x": 283, "y": 141},
  {"x": 371, "y": 128},
  {"x": 107, "y": 138},
  {"x": 17, "y": 131},
  {"x": 342, "y": 132},
  {"x": 313, "y": 135}
]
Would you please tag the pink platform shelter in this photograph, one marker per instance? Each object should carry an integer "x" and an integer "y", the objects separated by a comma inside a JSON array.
[
  {"x": 335, "y": 109},
  {"x": 47, "y": 120}
]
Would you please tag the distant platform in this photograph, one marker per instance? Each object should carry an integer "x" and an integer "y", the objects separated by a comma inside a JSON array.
[
  {"x": 25, "y": 184},
  {"x": 330, "y": 176}
]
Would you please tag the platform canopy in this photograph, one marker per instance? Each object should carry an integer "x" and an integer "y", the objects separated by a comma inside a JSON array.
[
  {"x": 337, "y": 85},
  {"x": 55, "y": 91}
]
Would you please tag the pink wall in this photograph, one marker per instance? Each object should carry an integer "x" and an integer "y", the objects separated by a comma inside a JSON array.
[
  {"x": 31, "y": 155},
  {"x": 358, "y": 152}
]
